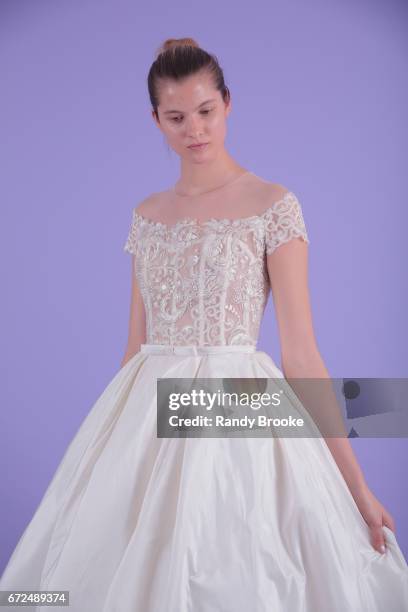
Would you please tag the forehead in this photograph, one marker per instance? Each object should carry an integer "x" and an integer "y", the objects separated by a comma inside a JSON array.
[{"x": 187, "y": 93}]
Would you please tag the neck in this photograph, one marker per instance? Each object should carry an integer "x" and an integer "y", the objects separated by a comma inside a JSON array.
[{"x": 196, "y": 181}]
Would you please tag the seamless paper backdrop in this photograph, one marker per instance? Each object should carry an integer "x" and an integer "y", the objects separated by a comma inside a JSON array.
[{"x": 318, "y": 93}]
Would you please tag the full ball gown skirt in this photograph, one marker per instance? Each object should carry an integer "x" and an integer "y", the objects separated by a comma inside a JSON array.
[{"x": 135, "y": 523}]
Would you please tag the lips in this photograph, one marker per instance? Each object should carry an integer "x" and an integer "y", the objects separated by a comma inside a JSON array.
[{"x": 198, "y": 145}]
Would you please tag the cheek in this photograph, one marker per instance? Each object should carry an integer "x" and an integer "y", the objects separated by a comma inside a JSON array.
[
  {"x": 174, "y": 134},
  {"x": 218, "y": 126},
  {"x": 176, "y": 139}
]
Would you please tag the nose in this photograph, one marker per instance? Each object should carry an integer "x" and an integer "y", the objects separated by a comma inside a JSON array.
[{"x": 194, "y": 127}]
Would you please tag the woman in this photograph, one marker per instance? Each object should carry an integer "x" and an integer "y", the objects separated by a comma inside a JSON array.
[{"x": 133, "y": 521}]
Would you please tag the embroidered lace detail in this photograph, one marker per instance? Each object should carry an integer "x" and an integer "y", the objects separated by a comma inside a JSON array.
[
  {"x": 284, "y": 221},
  {"x": 206, "y": 282}
]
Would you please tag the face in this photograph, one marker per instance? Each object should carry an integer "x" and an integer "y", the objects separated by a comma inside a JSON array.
[{"x": 193, "y": 111}]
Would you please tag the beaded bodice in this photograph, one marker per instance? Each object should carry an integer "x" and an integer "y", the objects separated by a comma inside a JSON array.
[{"x": 206, "y": 282}]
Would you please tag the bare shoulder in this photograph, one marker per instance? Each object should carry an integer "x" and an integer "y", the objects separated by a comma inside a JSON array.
[
  {"x": 151, "y": 205},
  {"x": 266, "y": 193},
  {"x": 276, "y": 191},
  {"x": 270, "y": 188}
]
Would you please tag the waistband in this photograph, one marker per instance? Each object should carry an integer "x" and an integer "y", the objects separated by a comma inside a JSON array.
[{"x": 186, "y": 349}]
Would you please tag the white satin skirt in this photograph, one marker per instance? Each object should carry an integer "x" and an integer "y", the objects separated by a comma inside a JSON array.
[{"x": 135, "y": 523}]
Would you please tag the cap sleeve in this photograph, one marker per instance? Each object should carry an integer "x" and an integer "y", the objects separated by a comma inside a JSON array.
[
  {"x": 132, "y": 238},
  {"x": 283, "y": 222}
]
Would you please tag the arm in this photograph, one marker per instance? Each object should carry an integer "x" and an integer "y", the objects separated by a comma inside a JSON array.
[
  {"x": 288, "y": 273},
  {"x": 137, "y": 320}
]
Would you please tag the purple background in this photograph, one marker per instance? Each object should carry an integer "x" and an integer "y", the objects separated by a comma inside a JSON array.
[{"x": 319, "y": 91}]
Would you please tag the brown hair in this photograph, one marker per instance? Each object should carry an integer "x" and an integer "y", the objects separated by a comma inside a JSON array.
[{"x": 178, "y": 58}]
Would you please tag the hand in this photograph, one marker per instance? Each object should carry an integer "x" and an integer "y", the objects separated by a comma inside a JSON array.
[{"x": 375, "y": 515}]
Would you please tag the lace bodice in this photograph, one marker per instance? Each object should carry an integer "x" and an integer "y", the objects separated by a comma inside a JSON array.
[{"x": 206, "y": 282}]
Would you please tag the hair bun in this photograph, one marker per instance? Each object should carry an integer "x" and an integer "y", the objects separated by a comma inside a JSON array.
[
  {"x": 178, "y": 58},
  {"x": 171, "y": 43}
]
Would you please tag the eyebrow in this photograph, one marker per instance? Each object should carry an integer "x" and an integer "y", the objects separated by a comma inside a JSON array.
[{"x": 199, "y": 106}]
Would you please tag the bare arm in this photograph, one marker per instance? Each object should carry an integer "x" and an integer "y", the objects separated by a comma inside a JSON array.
[
  {"x": 288, "y": 273},
  {"x": 137, "y": 319}
]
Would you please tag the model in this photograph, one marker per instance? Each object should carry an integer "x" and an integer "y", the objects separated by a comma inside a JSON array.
[{"x": 134, "y": 522}]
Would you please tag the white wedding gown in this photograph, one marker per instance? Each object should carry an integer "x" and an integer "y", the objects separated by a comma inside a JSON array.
[{"x": 135, "y": 523}]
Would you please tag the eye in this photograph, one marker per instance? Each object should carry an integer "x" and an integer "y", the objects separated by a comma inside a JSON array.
[{"x": 179, "y": 119}]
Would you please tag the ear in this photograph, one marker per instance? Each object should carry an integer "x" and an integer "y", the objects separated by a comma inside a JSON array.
[
  {"x": 158, "y": 124},
  {"x": 228, "y": 106},
  {"x": 227, "y": 103}
]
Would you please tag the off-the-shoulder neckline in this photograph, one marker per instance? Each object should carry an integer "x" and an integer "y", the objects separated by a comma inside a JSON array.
[{"x": 195, "y": 222}]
